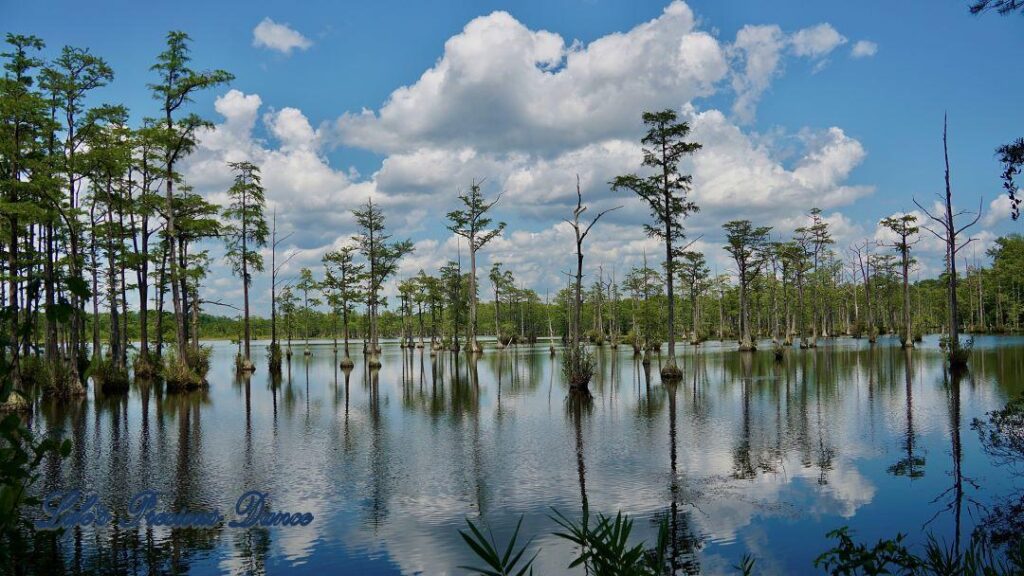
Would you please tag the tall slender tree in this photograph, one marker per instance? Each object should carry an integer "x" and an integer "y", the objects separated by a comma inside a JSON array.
[
  {"x": 905, "y": 228},
  {"x": 382, "y": 258},
  {"x": 69, "y": 79},
  {"x": 344, "y": 278},
  {"x": 665, "y": 191},
  {"x": 244, "y": 235},
  {"x": 578, "y": 365},
  {"x": 472, "y": 223},
  {"x": 948, "y": 231},
  {"x": 307, "y": 284},
  {"x": 177, "y": 83},
  {"x": 693, "y": 272},
  {"x": 746, "y": 244}
]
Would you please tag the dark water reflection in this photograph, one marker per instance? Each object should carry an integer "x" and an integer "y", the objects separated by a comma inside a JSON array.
[{"x": 746, "y": 455}]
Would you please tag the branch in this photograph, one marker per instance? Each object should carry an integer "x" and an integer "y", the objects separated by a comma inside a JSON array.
[
  {"x": 929, "y": 214},
  {"x": 286, "y": 260},
  {"x": 219, "y": 303},
  {"x": 596, "y": 218},
  {"x": 282, "y": 239},
  {"x": 972, "y": 222},
  {"x": 960, "y": 247}
]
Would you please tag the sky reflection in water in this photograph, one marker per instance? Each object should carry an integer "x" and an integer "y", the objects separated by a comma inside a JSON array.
[{"x": 745, "y": 455}]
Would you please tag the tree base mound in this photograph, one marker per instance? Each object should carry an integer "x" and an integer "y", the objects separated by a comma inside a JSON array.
[
  {"x": 347, "y": 362},
  {"x": 15, "y": 403},
  {"x": 671, "y": 373},
  {"x": 580, "y": 391},
  {"x": 143, "y": 367},
  {"x": 110, "y": 378},
  {"x": 187, "y": 374}
]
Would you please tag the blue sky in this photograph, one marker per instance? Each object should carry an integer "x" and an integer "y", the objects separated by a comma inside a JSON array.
[{"x": 866, "y": 130}]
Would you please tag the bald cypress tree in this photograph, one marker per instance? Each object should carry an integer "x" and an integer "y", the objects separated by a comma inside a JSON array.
[
  {"x": 665, "y": 191},
  {"x": 176, "y": 84},
  {"x": 746, "y": 244},
  {"x": 382, "y": 258},
  {"x": 245, "y": 234},
  {"x": 473, "y": 224},
  {"x": 905, "y": 228}
]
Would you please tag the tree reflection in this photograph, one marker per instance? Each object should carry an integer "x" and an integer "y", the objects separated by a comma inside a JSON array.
[
  {"x": 683, "y": 543},
  {"x": 578, "y": 406},
  {"x": 911, "y": 465},
  {"x": 1002, "y": 437},
  {"x": 954, "y": 496}
]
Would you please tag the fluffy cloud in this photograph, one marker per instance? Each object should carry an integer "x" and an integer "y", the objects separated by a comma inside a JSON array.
[
  {"x": 864, "y": 49},
  {"x": 500, "y": 86},
  {"x": 734, "y": 176},
  {"x": 278, "y": 37},
  {"x": 757, "y": 53},
  {"x": 816, "y": 41},
  {"x": 528, "y": 112},
  {"x": 998, "y": 211}
]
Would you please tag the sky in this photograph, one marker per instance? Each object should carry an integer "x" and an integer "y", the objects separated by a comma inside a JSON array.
[{"x": 835, "y": 105}]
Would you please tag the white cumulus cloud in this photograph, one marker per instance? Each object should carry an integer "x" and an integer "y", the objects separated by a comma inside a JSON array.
[
  {"x": 864, "y": 49},
  {"x": 279, "y": 37}
]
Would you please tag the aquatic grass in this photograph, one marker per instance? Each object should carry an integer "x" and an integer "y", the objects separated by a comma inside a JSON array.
[
  {"x": 959, "y": 355},
  {"x": 499, "y": 564},
  {"x": 108, "y": 376},
  {"x": 274, "y": 357},
  {"x": 188, "y": 373},
  {"x": 577, "y": 366},
  {"x": 605, "y": 550},
  {"x": 143, "y": 366},
  {"x": 746, "y": 565}
]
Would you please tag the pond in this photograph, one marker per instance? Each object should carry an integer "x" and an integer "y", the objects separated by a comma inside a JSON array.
[{"x": 745, "y": 455}]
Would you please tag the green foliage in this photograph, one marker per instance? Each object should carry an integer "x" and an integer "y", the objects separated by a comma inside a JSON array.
[
  {"x": 274, "y": 357},
  {"x": 892, "y": 556},
  {"x": 885, "y": 557},
  {"x": 33, "y": 371},
  {"x": 472, "y": 223},
  {"x": 21, "y": 454},
  {"x": 664, "y": 189},
  {"x": 746, "y": 565},
  {"x": 108, "y": 376},
  {"x": 604, "y": 549},
  {"x": 510, "y": 562},
  {"x": 959, "y": 355},
  {"x": 143, "y": 366},
  {"x": 577, "y": 365},
  {"x": 1012, "y": 158},
  {"x": 189, "y": 373},
  {"x": 247, "y": 230}
]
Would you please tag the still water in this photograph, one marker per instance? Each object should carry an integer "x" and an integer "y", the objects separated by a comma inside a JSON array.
[{"x": 745, "y": 455}]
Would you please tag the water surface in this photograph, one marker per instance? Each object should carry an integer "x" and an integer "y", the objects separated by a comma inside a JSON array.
[{"x": 745, "y": 455}]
